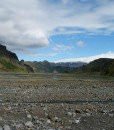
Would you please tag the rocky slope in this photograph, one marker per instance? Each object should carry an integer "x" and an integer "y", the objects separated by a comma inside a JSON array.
[
  {"x": 9, "y": 62},
  {"x": 7, "y": 54}
]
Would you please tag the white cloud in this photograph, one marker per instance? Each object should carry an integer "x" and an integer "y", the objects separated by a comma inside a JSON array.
[
  {"x": 89, "y": 58},
  {"x": 26, "y": 23},
  {"x": 61, "y": 48},
  {"x": 40, "y": 55},
  {"x": 19, "y": 26},
  {"x": 80, "y": 43}
]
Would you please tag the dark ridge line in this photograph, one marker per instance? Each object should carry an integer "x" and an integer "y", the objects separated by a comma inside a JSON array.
[{"x": 65, "y": 102}]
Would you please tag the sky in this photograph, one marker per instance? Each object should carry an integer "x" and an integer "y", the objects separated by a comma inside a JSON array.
[{"x": 58, "y": 30}]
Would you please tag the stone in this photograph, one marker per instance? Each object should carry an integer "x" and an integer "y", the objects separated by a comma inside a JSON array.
[
  {"x": 78, "y": 111},
  {"x": 48, "y": 121},
  {"x": 69, "y": 113},
  {"x": 19, "y": 126},
  {"x": 77, "y": 121},
  {"x": 111, "y": 115},
  {"x": 56, "y": 119},
  {"x": 29, "y": 116},
  {"x": 29, "y": 124},
  {"x": 0, "y": 118},
  {"x": 6, "y": 127},
  {"x": 1, "y": 128}
]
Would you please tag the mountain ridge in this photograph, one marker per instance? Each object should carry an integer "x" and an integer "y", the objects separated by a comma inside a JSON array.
[
  {"x": 9, "y": 61},
  {"x": 46, "y": 66},
  {"x": 104, "y": 66}
]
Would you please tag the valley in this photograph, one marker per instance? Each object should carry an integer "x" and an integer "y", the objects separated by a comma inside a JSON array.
[{"x": 55, "y": 102}]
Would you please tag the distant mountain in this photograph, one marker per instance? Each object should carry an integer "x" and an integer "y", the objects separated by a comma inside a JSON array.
[
  {"x": 70, "y": 64},
  {"x": 103, "y": 66},
  {"x": 10, "y": 62},
  {"x": 50, "y": 67}
]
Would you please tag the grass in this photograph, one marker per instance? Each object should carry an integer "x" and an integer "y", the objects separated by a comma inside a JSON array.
[{"x": 8, "y": 65}]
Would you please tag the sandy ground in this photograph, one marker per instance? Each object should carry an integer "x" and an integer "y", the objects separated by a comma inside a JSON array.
[{"x": 48, "y": 102}]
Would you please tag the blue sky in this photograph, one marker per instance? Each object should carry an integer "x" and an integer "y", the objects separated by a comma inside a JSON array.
[{"x": 58, "y": 30}]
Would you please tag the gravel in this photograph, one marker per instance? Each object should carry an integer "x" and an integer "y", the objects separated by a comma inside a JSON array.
[{"x": 63, "y": 104}]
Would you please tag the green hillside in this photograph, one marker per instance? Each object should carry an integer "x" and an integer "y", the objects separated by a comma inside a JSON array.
[
  {"x": 8, "y": 65},
  {"x": 9, "y": 61},
  {"x": 103, "y": 66}
]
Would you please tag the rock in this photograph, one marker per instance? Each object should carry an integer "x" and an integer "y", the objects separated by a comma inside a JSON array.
[
  {"x": 19, "y": 126},
  {"x": 88, "y": 114},
  {"x": 78, "y": 111},
  {"x": 39, "y": 122},
  {"x": 48, "y": 117},
  {"x": 69, "y": 113},
  {"x": 1, "y": 128},
  {"x": 62, "y": 104},
  {"x": 104, "y": 111},
  {"x": 74, "y": 114},
  {"x": 42, "y": 105},
  {"x": 77, "y": 121},
  {"x": 46, "y": 114},
  {"x": 86, "y": 111},
  {"x": 48, "y": 121},
  {"x": 9, "y": 108},
  {"x": 0, "y": 118},
  {"x": 111, "y": 115},
  {"x": 8, "y": 54},
  {"x": 56, "y": 119},
  {"x": 29, "y": 124},
  {"x": 67, "y": 127},
  {"x": 6, "y": 127},
  {"x": 29, "y": 116},
  {"x": 45, "y": 108}
]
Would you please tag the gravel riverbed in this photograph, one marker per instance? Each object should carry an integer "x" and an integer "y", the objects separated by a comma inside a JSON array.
[{"x": 33, "y": 103}]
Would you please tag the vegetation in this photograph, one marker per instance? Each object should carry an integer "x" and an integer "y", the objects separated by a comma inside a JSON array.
[
  {"x": 9, "y": 62},
  {"x": 7, "y": 65},
  {"x": 48, "y": 67},
  {"x": 103, "y": 66}
]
